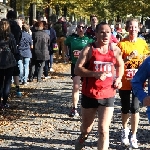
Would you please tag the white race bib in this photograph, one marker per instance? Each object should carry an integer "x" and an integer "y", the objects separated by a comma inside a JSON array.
[
  {"x": 106, "y": 67},
  {"x": 129, "y": 73},
  {"x": 76, "y": 53}
]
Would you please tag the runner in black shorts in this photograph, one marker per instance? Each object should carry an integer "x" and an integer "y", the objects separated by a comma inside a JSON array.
[
  {"x": 133, "y": 54},
  {"x": 76, "y": 43},
  {"x": 87, "y": 102},
  {"x": 99, "y": 86}
]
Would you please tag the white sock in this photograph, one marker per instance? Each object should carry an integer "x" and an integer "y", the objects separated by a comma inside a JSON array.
[
  {"x": 126, "y": 129},
  {"x": 133, "y": 136}
]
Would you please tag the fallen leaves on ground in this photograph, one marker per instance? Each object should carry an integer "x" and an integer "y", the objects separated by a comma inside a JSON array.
[
  {"x": 59, "y": 70},
  {"x": 17, "y": 111}
]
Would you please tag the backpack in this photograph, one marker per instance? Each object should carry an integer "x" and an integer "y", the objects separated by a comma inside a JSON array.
[
  {"x": 58, "y": 28},
  {"x": 7, "y": 59}
]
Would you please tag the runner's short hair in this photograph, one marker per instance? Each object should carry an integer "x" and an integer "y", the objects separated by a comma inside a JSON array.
[
  {"x": 128, "y": 23},
  {"x": 99, "y": 25},
  {"x": 91, "y": 16}
]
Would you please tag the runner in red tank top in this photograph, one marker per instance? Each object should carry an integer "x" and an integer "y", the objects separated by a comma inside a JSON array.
[
  {"x": 96, "y": 66},
  {"x": 104, "y": 63}
]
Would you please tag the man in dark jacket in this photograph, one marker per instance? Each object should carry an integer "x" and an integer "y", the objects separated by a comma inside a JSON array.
[
  {"x": 40, "y": 52},
  {"x": 16, "y": 31},
  {"x": 61, "y": 30}
]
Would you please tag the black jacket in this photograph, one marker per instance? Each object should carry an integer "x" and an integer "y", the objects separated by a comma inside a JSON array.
[
  {"x": 16, "y": 31},
  {"x": 41, "y": 42}
]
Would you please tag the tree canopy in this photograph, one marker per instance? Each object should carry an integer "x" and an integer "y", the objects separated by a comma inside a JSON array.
[{"x": 107, "y": 9}]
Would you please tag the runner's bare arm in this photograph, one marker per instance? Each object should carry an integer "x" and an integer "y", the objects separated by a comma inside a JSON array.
[
  {"x": 132, "y": 55},
  {"x": 80, "y": 69},
  {"x": 120, "y": 62}
]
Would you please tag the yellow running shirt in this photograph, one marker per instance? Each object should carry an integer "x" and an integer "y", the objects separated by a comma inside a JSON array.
[{"x": 132, "y": 65}]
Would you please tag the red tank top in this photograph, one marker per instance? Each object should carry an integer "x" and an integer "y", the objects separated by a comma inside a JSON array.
[{"x": 96, "y": 88}]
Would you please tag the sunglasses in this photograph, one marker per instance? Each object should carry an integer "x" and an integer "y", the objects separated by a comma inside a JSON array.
[{"x": 81, "y": 27}]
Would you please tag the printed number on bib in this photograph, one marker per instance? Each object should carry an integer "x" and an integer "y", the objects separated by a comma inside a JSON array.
[
  {"x": 76, "y": 53},
  {"x": 106, "y": 67},
  {"x": 129, "y": 73}
]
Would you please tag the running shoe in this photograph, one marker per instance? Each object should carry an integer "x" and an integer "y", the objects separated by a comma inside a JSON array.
[
  {"x": 19, "y": 94},
  {"x": 125, "y": 137},
  {"x": 133, "y": 143},
  {"x": 80, "y": 143},
  {"x": 74, "y": 113}
]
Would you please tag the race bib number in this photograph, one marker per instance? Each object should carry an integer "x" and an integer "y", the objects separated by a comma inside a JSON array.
[
  {"x": 129, "y": 73},
  {"x": 106, "y": 67},
  {"x": 76, "y": 53}
]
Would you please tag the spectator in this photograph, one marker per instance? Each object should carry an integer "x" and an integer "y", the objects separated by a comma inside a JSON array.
[
  {"x": 113, "y": 31},
  {"x": 47, "y": 61},
  {"x": 52, "y": 45},
  {"x": 40, "y": 52},
  {"x": 16, "y": 31},
  {"x": 22, "y": 18},
  {"x": 61, "y": 30},
  {"x": 32, "y": 28},
  {"x": 6, "y": 41},
  {"x": 142, "y": 29},
  {"x": 24, "y": 48},
  {"x": 118, "y": 28}
]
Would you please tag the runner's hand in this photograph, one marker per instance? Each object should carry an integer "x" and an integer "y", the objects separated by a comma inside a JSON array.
[
  {"x": 100, "y": 75},
  {"x": 134, "y": 54},
  {"x": 146, "y": 101},
  {"x": 117, "y": 83}
]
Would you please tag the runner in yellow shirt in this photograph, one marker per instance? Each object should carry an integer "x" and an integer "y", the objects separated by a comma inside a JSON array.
[{"x": 134, "y": 50}]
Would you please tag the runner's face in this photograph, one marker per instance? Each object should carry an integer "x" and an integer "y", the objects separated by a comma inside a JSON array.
[
  {"x": 80, "y": 29},
  {"x": 103, "y": 35},
  {"x": 133, "y": 29}
]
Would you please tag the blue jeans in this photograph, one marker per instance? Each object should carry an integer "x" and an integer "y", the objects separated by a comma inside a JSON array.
[{"x": 24, "y": 69}]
